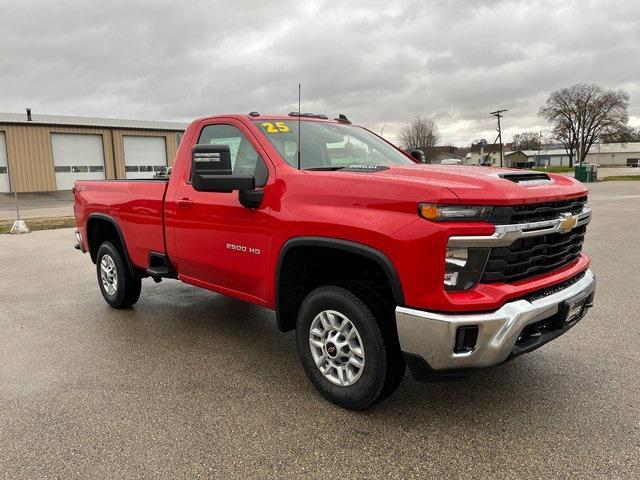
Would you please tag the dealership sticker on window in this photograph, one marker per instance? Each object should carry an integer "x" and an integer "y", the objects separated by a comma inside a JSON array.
[{"x": 278, "y": 127}]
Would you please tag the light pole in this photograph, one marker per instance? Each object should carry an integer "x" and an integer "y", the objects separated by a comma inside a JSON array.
[{"x": 382, "y": 129}]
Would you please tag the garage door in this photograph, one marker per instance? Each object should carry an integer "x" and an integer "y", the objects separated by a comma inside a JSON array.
[
  {"x": 4, "y": 174},
  {"x": 77, "y": 157},
  {"x": 143, "y": 156}
]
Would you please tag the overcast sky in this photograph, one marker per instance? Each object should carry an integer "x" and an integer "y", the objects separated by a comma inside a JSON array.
[{"x": 380, "y": 62}]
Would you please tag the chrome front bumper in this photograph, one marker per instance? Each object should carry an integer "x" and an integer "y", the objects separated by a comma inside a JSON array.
[{"x": 431, "y": 336}]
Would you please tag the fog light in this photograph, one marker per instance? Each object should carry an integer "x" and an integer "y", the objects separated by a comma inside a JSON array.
[{"x": 466, "y": 338}]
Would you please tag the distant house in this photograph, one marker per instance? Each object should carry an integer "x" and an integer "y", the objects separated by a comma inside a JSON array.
[
  {"x": 490, "y": 153},
  {"x": 518, "y": 159}
]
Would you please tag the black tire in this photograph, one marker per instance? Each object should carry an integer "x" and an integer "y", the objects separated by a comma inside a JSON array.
[
  {"x": 127, "y": 288},
  {"x": 383, "y": 366}
]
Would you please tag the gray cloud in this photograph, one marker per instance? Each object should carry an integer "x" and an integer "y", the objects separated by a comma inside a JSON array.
[{"x": 381, "y": 62}]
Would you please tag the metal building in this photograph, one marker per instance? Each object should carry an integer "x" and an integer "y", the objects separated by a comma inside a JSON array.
[{"x": 40, "y": 153}]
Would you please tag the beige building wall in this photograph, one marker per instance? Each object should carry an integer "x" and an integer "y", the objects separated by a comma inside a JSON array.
[
  {"x": 610, "y": 158},
  {"x": 30, "y": 155}
]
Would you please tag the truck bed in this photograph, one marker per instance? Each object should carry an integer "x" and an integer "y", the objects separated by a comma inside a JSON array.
[{"x": 136, "y": 206}]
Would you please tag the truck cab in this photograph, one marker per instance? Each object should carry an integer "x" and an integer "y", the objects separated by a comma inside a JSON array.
[{"x": 376, "y": 261}]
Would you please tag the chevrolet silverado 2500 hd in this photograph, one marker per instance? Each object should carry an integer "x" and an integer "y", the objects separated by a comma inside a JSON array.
[{"x": 377, "y": 262}]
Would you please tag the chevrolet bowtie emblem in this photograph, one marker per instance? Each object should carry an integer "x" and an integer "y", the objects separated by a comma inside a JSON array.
[{"x": 568, "y": 223}]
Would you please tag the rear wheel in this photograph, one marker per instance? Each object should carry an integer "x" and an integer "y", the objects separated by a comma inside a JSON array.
[
  {"x": 343, "y": 349},
  {"x": 119, "y": 288}
]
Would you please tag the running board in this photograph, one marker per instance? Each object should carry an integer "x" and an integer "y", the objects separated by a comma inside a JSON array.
[{"x": 160, "y": 267}]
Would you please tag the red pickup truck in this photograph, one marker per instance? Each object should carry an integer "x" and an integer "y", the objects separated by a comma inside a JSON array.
[{"x": 377, "y": 261}]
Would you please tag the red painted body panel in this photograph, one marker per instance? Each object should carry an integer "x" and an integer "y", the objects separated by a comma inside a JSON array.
[
  {"x": 136, "y": 205},
  {"x": 374, "y": 209}
]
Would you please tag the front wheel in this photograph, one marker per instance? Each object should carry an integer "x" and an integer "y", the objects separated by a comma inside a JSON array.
[
  {"x": 343, "y": 350},
  {"x": 119, "y": 288}
]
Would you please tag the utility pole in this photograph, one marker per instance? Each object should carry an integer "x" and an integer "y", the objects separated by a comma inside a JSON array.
[{"x": 498, "y": 115}]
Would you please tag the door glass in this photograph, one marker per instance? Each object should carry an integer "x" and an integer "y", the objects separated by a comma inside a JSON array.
[{"x": 244, "y": 158}]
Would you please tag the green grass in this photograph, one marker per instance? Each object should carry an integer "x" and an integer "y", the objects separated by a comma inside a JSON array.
[
  {"x": 554, "y": 169},
  {"x": 621, "y": 178},
  {"x": 45, "y": 223}
]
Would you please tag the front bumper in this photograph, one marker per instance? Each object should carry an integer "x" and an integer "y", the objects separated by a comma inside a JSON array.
[{"x": 430, "y": 337}]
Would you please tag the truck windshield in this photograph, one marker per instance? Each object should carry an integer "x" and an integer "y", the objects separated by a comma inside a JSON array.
[{"x": 329, "y": 146}]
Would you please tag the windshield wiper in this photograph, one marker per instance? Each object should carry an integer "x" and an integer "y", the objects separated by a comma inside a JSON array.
[{"x": 325, "y": 169}]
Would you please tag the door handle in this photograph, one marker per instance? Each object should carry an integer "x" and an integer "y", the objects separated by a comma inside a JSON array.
[{"x": 184, "y": 202}]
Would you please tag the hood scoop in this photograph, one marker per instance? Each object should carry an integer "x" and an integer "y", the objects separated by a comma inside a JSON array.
[{"x": 527, "y": 179}]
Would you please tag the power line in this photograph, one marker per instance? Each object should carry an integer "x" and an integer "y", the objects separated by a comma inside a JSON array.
[{"x": 498, "y": 115}]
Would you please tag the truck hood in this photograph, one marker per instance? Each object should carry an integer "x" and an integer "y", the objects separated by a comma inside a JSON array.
[{"x": 483, "y": 185}]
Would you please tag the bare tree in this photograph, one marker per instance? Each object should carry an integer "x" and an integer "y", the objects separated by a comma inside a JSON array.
[
  {"x": 526, "y": 141},
  {"x": 422, "y": 134},
  {"x": 624, "y": 135},
  {"x": 580, "y": 114}
]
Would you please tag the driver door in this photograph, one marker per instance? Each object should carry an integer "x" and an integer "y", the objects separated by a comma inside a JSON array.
[{"x": 220, "y": 244}]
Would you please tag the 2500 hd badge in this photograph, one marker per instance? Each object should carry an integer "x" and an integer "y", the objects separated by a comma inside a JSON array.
[{"x": 242, "y": 248}]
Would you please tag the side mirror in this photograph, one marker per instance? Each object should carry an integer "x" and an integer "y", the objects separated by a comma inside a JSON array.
[
  {"x": 211, "y": 170},
  {"x": 418, "y": 155}
]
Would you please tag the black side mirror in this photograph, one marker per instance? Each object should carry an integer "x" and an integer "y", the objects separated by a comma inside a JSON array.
[
  {"x": 211, "y": 170},
  {"x": 418, "y": 155}
]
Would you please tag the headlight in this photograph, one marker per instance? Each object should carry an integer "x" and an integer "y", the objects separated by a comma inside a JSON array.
[
  {"x": 464, "y": 267},
  {"x": 453, "y": 213}
]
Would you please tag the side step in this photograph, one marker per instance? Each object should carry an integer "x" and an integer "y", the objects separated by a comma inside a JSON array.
[{"x": 160, "y": 267}]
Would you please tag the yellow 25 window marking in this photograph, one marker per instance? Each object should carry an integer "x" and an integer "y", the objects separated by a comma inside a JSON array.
[{"x": 279, "y": 127}]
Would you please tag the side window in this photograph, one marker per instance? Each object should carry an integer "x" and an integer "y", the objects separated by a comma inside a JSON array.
[{"x": 244, "y": 158}]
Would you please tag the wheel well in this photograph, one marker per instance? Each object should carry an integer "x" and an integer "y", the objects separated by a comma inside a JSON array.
[
  {"x": 305, "y": 267},
  {"x": 100, "y": 230}
]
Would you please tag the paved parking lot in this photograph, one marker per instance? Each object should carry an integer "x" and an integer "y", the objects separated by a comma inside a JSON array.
[
  {"x": 33, "y": 205},
  {"x": 191, "y": 384}
]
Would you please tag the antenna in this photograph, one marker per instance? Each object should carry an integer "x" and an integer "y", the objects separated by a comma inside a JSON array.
[{"x": 299, "y": 115}]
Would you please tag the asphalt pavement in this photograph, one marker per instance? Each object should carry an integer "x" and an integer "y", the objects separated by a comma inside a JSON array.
[
  {"x": 37, "y": 204},
  {"x": 190, "y": 384}
]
